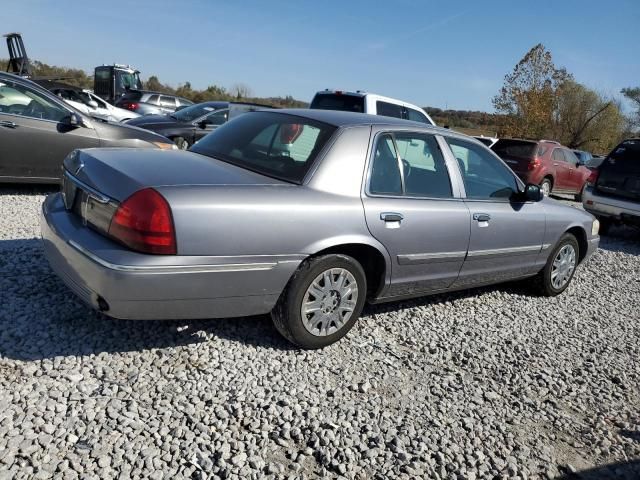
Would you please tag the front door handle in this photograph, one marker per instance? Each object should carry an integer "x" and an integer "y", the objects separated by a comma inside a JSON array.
[
  {"x": 8, "y": 124},
  {"x": 481, "y": 217},
  {"x": 391, "y": 217}
]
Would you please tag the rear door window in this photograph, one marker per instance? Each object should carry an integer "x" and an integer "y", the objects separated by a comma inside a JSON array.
[
  {"x": 558, "y": 156},
  {"x": 416, "y": 116},
  {"x": 388, "y": 109},
  {"x": 425, "y": 173},
  {"x": 153, "y": 99},
  {"x": 570, "y": 157},
  {"x": 168, "y": 102},
  {"x": 385, "y": 176}
]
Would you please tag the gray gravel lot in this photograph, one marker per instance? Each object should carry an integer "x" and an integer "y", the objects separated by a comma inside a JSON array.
[{"x": 492, "y": 383}]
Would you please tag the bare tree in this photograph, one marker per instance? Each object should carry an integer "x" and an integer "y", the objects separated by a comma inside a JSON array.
[{"x": 240, "y": 91}]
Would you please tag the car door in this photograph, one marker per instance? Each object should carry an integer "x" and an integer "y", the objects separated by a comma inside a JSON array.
[
  {"x": 167, "y": 104},
  {"x": 505, "y": 235},
  {"x": 562, "y": 178},
  {"x": 574, "y": 176},
  {"x": 210, "y": 122},
  {"x": 414, "y": 210},
  {"x": 34, "y": 136}
]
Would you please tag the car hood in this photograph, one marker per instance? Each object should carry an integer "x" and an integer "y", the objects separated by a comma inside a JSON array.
[
  {"x": 119, "y": 131},
  {"x": 147, "y": 121},
  {"x": 118, "y": 172}
]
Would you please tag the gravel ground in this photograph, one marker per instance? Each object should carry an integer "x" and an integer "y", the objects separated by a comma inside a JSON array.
[{"x": 492, "y": 383}]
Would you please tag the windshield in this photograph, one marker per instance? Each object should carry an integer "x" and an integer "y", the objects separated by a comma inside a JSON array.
[
  {"x": 333, "y": 101},
  {"x": 188, "y": 114},
  {"x": 278, "y": 145},
  {"x": 128, "y": 80}
]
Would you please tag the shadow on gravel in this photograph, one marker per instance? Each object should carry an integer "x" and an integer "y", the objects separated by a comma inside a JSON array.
[
  {"x": 621, "y": 239},
  {"x": 614, "y": 471},
  {"x": 27, "y": 189},
  {"x": 41, "y": 318}
]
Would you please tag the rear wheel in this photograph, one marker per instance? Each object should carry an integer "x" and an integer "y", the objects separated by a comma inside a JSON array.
[
  {"x": 546, "y": 186},
  {"x": 181, "y": 143},
  {"x": 322, "y": 301},
  {"x": 560, "y": 267}
]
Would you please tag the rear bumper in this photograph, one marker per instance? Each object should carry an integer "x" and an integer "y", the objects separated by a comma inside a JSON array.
[
  {"x": 137, "y": 286},
  {"x": 625, "y": 211}
]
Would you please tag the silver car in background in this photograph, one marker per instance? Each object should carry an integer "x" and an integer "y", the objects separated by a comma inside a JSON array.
[{"x": 304, "y": 214}]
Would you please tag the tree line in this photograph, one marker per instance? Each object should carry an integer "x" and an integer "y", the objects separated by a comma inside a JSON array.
[
  {"x": 238, "y": 92},
  {"x": 540, "y": 100}
]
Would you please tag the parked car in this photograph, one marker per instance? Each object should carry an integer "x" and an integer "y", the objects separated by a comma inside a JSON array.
[
  {"x": 92, "y": 105},
  {"x": 260, "y": 217},
  {"x": 546, "y": 163},
  {"x": 615, "y": 196},
  {"x": 150, "y": 103},
  {"x": 365, "y": 102},
  {"x": 488, "y": 141},
  {"x": 188, "y": 125},
  {"x": 38, "y": 130}
]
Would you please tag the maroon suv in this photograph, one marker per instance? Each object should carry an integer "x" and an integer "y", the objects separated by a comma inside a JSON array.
[{"x": 546, "y": 163}]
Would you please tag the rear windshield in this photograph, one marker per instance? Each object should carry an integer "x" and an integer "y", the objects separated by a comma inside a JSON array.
[
  {"x": 333, "y": 101},
  {"x": 192, "y": 112},
  {"x": 625, "y": 158},
  {"x": 514, "y": 148},
  {"x": 278, "y": 145}
]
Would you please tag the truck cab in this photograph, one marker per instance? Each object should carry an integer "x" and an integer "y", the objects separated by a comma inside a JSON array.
[{"x": 112, "y": 81}]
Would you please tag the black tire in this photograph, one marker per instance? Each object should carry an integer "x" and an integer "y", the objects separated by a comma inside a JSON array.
[
  {"x": 578, "y": 196},
  {"x": 546, "y": 181},
  {"x": 605, "y": 225},
  {"x": 543, "y": 280},
  {"x": 287, "y": 315},
  {"x": 181, "y": 143}
]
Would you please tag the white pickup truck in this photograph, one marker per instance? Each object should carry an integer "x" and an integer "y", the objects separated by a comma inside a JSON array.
[{"x": 365, "y": 102}]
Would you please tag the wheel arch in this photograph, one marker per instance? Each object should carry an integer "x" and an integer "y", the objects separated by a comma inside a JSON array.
[
  {"x": 371, "y": 255},
  {"x": 581, "y": 236}
]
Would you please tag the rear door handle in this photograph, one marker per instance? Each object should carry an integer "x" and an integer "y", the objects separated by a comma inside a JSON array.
[
  {"x": 481, "y": 217},
  {"x": 5, "y": 123},
  {"x": 391, "y": 217}
]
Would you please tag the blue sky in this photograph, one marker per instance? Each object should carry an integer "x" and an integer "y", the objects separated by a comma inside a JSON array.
[{"x": 438, "y": 53}]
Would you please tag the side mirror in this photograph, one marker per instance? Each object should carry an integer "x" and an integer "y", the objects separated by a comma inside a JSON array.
[
  {"x": 92, "y": 104},
  {"x": 73, "y": 120},
  {"x": 533, "y": 193}
]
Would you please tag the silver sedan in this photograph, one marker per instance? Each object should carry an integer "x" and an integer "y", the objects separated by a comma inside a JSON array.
[{"x": 304, "y": 214}]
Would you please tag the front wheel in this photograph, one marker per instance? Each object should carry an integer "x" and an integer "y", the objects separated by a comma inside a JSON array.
[
  {"x": 560, "y": 267},
  {"x": 546, "y": 187},
  {"x": 322, "y": 301}
]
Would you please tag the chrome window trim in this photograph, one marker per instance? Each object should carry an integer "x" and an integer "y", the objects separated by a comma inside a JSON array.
[
  {"x": 369, "y": 166},
  {"x": 97, "y": 196}
]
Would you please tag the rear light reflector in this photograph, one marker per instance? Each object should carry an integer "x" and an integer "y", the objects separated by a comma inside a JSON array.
[
  {"x": 143, "y": 222},
  {"x": 133, "y": 106}
]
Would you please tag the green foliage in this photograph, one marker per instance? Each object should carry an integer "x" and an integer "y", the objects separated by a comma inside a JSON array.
[{"x": 633, "y": 94}]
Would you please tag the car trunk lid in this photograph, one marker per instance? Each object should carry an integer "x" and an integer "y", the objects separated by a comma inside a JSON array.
[{"x": 620, "y": 172}]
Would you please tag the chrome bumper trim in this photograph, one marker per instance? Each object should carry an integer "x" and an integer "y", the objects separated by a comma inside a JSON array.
[{"x": 228, "y": 267}]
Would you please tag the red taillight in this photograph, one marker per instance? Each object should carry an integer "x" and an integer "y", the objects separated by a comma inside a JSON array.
[
  {"x": 143, "y": 222},
  {"x": 133, "y": 106},
  {"x": 289, "y": 132},
  {"x": 534, "y": 163},
  {"x": 593, "y": 177}
]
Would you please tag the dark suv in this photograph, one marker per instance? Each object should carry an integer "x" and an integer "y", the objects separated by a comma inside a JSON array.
[
  {"x": 151, "y": 103},
  {"x": 546, "y": 163},
  {"x": 615, "y": 195}
]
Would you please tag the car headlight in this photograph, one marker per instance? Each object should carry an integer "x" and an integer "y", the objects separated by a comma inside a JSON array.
[
  {"x": 165, "y": 146},
  {"x": 595, "y": 227}
]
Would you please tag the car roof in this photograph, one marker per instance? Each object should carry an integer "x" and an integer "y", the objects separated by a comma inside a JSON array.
[{"x": 339, "y": 118}]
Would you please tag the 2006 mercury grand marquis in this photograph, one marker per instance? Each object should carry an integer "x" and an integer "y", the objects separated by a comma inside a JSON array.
[{"x": 305, "y": 214}]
